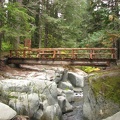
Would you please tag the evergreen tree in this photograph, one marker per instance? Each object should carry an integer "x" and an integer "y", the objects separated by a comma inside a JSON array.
[
  {"x": 1, "y": 24},
  {"x": 15, "y": 21},
  {"x": 104, "y": 21}
]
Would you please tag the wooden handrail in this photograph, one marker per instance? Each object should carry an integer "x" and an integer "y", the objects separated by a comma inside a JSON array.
[{"x": 64, "y": 53}]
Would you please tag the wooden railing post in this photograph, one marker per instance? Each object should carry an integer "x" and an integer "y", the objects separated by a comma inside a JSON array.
[
  {"x": 66, "y": 53},
  {"x": 54, "y": 54},
  {"x": 91, "y": 54},
  {"x": 24, "y": 53},
  {"x": 73, "y": 56},
  {"x": 113, "y": 53},
  {"x": 43, "y": 54}
]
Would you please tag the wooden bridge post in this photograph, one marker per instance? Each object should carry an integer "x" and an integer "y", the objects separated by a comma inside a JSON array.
[
  {"x": 24, "y": 54},
  {"x": 91, "y": 54},
  {"x": 113, "y": 54},
  {"x": 54, "y": 54},
  {"x": 42, "y": 56},
  {"x": 73, "y": 56}
]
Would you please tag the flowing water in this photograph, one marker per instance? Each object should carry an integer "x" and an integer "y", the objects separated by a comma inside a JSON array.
[{"x": 77, "y": 113}]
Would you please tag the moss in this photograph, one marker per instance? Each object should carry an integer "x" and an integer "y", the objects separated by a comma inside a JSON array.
[
  {"x": 107, "y": 85},
  {"x": 67, "y": 88}
]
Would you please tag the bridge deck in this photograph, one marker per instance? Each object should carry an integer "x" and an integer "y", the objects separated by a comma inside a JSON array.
[{"x": 58, "y": 56}]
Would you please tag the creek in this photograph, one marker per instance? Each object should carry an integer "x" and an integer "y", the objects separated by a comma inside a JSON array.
[
  {"x": 93, "y": 108},
  {"x": 46, "y": 73}
]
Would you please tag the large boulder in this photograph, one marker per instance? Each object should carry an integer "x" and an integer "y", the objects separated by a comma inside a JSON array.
[
  {"x": 6, "y": 113},
  {"x": 44, "y": 74},
  {"x": 65, "y": 75},
  {"x": 52, "y": 112},
  {"x": 114, "y": 117},
  {"x": 64, "y": 104},
  {"x": 65, "y": 85},
  {"x": 81, "y": 72},
  {"x": 101, "y": 95},
  {"x": 61, "y": 75},
  {"x": 27, "y": 104},
  {"x": 69, "y": 95},
  {"x": 58, "y": 77},
  {"x": 48, "y": 88},
  {"x": 30, "y": 97},
  {"x": 76, "y": 79}
]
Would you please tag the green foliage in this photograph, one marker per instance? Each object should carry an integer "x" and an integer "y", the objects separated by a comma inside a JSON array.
[
  {"x": 21, "y": 46},
  {"x": 6, "y": 46},
  {"x": 99, "y": 24},
  {"x": 53, "y": 42},
  {"x": 89, "y": 69},
  {"x": 82, "y": 23},
  {"x": 73, "y": 13},
  {"x": 108, "y": 87},
  {"x": 97, "y": 39},
  {"x": 64, "y": 29},
  {"x": 16, "y": 21}
]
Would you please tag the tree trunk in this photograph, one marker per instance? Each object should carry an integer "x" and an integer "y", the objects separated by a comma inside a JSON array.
[
  {"x": 17, "y": 42},
  {"x": 1, "y": 34},
  {"x": 46, "y": 26},
  {"x": 46, "y": 36},
  {"x": 40, "y": 24},
  {"x": 118, "y": 49},
  {"x": 0, "y": 43},
  {"x": 40, "y": 36},
  {"x": 116, "y": 8}
]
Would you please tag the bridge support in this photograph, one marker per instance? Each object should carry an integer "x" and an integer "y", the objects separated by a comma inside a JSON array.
[
  {"x": 81, "y": 62},
  {"x": 17, "y": 65}
]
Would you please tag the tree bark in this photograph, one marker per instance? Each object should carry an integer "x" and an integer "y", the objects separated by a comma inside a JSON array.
[
  {"x": 40, "y": 24},
  {"x": 17, "y": 42},
  {"x": 0, "y": 45},
  {"x": 46, "y": 26},
  {"x": 116, "y": 8},
  {"x": 118, "y": 49},
  {"x": 46, "y": 36},
  {"x": 1, "y": 34}
]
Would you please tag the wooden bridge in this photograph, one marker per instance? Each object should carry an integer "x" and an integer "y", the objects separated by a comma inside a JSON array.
[{"x": 64, "y": 56}]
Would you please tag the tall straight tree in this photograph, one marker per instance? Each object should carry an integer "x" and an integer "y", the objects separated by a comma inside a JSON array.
[
  {"x": 35, "y": 8},
  {"x": 104, "y": 21},
  {"x": 1, "y": 33},
  {"x": 40, "y": 11},
  {"x": 46, "y": 18},
  {"x": 16, "y": 22}
]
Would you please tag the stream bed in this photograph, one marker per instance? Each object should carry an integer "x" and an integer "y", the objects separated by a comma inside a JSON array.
[
  {"x": 77, "y": 113},
  {"x": 38, "y": 72}
]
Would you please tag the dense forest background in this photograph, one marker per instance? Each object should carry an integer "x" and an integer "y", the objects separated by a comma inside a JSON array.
[{"x": 59, "y": 23}]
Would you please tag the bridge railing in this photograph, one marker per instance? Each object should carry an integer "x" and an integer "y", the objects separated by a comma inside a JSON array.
[{"x": 65, "y": 53}]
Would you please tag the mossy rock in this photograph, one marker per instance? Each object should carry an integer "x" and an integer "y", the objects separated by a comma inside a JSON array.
[{"x": 107, "y": 84}]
